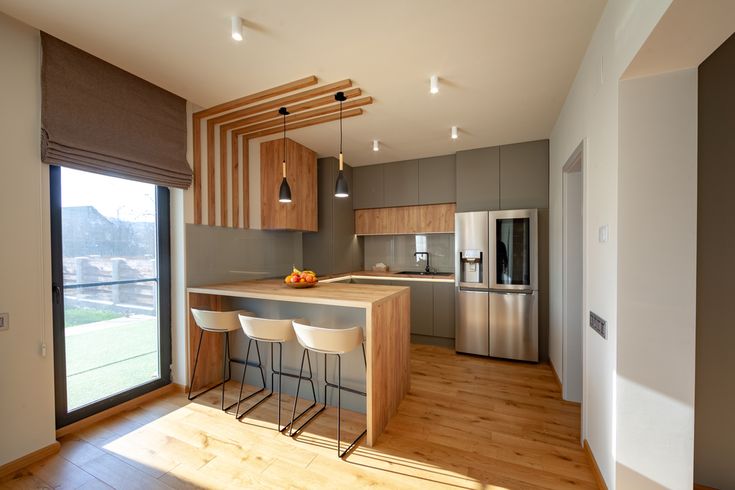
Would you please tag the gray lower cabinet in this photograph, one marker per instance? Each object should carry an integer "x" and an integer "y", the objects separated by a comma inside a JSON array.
[
  {"x": 437, "y": 180},
  {"x": 422, "y": 307},
  {"x": 368, "y": 183},
  {"x": 401, "y": 183},
  {"x": 478, "y": 179},
  {"x": 444, "y": 310},
  {"x": 524, "y": 175},
  {"x": 432, "y": 305}
]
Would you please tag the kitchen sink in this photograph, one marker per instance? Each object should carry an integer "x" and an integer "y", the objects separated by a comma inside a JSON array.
[{"x": 423, "y": 273}]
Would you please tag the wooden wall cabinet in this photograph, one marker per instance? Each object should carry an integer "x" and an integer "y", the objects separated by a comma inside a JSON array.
[
  {"x": 406, "y": 220},
  {"x": 301, "y": 213}
]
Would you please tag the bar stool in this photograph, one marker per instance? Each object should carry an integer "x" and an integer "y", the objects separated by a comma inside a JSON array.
[
  {"x": 329, "y": 341},
  {"x": 274, "y": 332},
  {"x": 221, "y": 322}
]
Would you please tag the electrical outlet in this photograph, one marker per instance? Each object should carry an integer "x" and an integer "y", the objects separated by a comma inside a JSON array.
[
  {"x": 4, "y": 321},
  {"x": 598, "y": 324}
]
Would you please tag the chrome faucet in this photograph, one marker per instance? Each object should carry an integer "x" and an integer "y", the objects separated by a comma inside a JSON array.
[{"x": 427, "y": 269}]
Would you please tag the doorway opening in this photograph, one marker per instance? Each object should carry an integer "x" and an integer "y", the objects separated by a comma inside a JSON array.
[{"x": 573, "y": 276}]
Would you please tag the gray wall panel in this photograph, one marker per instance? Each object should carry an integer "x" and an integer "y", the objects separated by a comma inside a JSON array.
[{"x": 216, "y": 254}]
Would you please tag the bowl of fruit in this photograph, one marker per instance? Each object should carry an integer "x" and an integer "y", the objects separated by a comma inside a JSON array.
[{"x": 301, "y": 279}]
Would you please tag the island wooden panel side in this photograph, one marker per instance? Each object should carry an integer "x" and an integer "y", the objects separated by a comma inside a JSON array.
[
  {"x": 209, "y": 368},
  {"x": 389, "y": 371}
]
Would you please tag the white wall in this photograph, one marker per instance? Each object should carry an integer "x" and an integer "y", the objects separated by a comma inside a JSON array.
[
  {"x": 657, "y": 281},
  {"x": 26, "y": 378},
  {"x": 590, "y": 113}
]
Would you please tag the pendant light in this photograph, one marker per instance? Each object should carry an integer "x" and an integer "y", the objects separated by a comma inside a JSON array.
[
  {"x": 284, "y": 193},
  {"x": 341, "y": 188}
]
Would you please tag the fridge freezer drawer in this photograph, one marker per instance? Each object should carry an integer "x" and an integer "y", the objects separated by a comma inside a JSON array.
[
  {"x": 514, "y": 325},
  {"x": 471, "y": 334}
]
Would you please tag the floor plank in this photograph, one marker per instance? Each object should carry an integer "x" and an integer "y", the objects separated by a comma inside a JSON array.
[{"x": 468, "y": 422}]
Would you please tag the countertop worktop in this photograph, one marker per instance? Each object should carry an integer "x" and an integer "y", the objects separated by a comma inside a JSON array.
[
  {"x": 325, "y": 293},
  {"x": 388, "y": 275}
]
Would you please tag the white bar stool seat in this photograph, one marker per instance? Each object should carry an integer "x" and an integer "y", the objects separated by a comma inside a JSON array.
[
  {"x": 336, "y": 342},
  {"x": 274, "y": 332},
  {"x": 220, "y": 322}
]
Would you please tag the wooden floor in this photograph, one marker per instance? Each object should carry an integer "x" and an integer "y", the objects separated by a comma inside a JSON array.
[{"x": 467, "y": 423}]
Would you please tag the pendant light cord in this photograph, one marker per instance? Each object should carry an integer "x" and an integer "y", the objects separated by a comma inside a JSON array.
[
  {"x": 284, "y": 137},
  {"x": 340, "y": 126}
]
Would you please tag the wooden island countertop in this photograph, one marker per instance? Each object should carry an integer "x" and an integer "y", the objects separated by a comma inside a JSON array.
[
  {"x": 387, "y": 334},
  {"x": 336, "y": 294}
]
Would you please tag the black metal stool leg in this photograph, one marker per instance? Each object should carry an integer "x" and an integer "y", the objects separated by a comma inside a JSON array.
[
  {"x": 314, "y": 403},
  {"x": 247, "y": 363},
  {"x": 196, "y": 361},
  {"x": 339, "y": 404},
  {"x": 225, "y": 362}
]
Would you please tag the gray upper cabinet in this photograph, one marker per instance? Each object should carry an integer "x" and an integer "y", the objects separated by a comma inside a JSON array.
[
  {"x": 401, "y": 183},
  {"x": 332, "y": 249},
  {"x": 444, "y": 310},
  {"x": 478, "y": 179},
  {"x": 437, "y": 180},
  {"x": 368, "y": 183},
  {"x": 524, "y": 175}
]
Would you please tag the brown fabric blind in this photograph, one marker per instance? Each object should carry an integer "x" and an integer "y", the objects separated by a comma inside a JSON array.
[{"x": 100, "y": 118}]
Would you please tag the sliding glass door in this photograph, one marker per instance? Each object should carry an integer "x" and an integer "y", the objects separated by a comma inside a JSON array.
[{"x": 111, "y": 292}]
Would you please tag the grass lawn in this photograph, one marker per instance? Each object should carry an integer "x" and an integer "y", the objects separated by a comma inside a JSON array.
[
  {"x": 82, "y": 316},
  {"x": 107, "y": 357}
]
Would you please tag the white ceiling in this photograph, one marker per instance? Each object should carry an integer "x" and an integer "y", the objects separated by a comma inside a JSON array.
[{"x": 505, "y": 65}]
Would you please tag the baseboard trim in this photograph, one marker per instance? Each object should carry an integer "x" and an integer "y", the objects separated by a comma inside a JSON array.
[
  {"x": 595, "y": 469},
  {"x": 123, "y": 407},
  {"x": 30, "y": 458}
]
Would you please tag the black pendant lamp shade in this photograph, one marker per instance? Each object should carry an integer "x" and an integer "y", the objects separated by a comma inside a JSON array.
[
  {"x": 341, "y": 189},
  {"x": 284, "y": 193}
]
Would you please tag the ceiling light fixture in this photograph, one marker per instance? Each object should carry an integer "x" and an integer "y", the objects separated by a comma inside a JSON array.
[
  {"x": 341, "y": 188},
  {"x": 455, "y": 133},
  {"x": 284, "y": 193},
  {"x": 237, "y": 28},
  {"x": 376, "y": 145},
  {"x": 434, "y": 84}
]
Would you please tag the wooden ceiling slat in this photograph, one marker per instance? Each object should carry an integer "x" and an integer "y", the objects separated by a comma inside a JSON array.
[
  {"x": 258, "y": 96},
  {"x": 283, "y": 101},
  {"x": 304, "y": 124},
  {"x": 278, "y": 122},
  {"x": 273, "y": 114}
]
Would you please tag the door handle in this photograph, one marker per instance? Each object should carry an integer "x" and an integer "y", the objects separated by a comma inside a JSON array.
[{"x": 56, "y": 293}]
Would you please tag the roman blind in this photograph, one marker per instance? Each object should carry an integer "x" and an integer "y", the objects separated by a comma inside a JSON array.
[{"x": 100, "y": 118}]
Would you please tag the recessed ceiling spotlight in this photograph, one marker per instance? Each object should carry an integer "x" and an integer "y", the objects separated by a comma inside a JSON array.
[
  {"x": 237, "y": 28},
  {"x": 376, "y": 145},
  {"x": 455, "y": 133},
  {"x": 434, "y": 84}
]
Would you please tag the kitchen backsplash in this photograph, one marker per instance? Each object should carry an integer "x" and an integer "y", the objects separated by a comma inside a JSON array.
[{"x": 397, "y": 251}]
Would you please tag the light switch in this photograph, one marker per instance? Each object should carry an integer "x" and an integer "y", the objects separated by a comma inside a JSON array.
[
  {"x": 4, "y": 321},
  {"x": 603, "y": 233}
]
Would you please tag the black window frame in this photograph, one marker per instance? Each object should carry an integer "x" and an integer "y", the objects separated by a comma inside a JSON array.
[{"x": 163, "y": 243}]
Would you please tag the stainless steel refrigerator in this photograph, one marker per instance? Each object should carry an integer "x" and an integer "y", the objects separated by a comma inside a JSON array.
[{"x": 496, "y": 264}]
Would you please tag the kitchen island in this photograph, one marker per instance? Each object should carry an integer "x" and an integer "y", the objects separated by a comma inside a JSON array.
[{"x": 382, "y": 311}]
